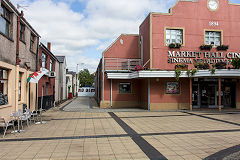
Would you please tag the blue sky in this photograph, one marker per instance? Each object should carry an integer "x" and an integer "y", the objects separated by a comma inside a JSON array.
[{"x": 82, "y": 29}]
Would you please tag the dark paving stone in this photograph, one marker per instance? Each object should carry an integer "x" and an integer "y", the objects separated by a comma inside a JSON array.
[
  {"x": 231, "y": 153},
  {"x": 147, "y": 148},
  {"x": 215, "y": 119}
]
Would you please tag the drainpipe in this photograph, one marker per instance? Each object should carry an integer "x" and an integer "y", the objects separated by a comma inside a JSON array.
[
  {"x": 149, "y": 94},
  {"x": 111, "y": 94},
  {"x": 18, "y": 37},
  {"x": 17, "y": 60},
  {"x": 103, "y": 77}
]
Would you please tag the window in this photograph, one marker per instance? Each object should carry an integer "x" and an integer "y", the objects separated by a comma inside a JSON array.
[
  {"x": 22, "y": 32},
  {"x": 213, "y": 38},
  {"x": 124, "y": 87},
  {"x": 19, "y": 86},
  {"x": 46, "y": 89},
  {"x": 32, "y": 40},
  {"x": 5, "y": 21},
  {"x": 51, "y": 65},
  {"x": 43, "y": 58},
  {"x": 174, "y": 36},
  {"x": 3, "y": 86}
]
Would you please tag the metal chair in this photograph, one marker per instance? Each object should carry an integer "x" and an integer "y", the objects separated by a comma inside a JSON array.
[
  {"x": 23, "y": 117},
  {"x": 5, "y": 125},
  {"x": 27, "y": 113}
]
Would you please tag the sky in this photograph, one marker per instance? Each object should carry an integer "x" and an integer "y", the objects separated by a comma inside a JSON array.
[{"x": 82, "y": 29}]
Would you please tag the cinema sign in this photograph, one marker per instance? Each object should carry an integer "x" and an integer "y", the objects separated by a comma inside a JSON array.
[{"x": 190, "y": 57}]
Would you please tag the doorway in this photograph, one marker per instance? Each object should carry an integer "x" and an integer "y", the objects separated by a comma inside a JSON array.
[{"x": 206, "y": 94}]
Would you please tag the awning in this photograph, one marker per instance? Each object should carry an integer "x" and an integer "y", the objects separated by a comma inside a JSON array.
[{"x": 171, "y": 74}]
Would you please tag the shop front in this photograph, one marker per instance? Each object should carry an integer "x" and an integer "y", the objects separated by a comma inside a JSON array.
[{"x": 205, "y": 93}]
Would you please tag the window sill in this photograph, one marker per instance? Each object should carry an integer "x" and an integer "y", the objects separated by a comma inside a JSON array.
[
  {"x": 23, "y": 41},
  {"x": 5, "y": 106},
  {"x": 6, "y": 37},
  {"x": 20, "y": 102},
  {"x": 32, "y": 51}
]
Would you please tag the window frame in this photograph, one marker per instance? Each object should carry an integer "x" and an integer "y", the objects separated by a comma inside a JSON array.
[
  {"x": 22, "y": 32},
  {"x": 213, "y": 30},
  {"x": 32, "y": 42},
  {"x": 120, "y": 87},
  {"x": 5, "y": 14},
  {"x": 51, "y": 65},
  {"x": 2, "y": 78},
  {"x": 44, "y": 61},
  {"x": 20, "y": 87},
  {"x": 174, "y": 28}
]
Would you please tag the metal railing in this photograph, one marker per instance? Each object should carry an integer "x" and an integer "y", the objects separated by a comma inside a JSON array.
[{"x": 121, "y": 64}]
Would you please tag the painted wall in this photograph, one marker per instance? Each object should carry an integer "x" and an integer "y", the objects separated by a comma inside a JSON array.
[
  {"x": 144, "y": 32},
  {"x": 162, "y": 101},
  {"x": 62, "y": 80},
  {"x": 57, "y": 83},
  {"x": 129, "y": 48},
  {"x": 121, "y": 99},
  {"x": 194, "y": 20},
  {"x": 8, "y": 61},
  {"x": 13, "y": 103},
  {"x": 143, "y": 93}
]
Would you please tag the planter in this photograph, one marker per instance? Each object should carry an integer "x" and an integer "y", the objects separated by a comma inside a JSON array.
[
  {"x": 138, "y": 68},
  {"x": 222, "y": 47},
  {"x": 175, "y": 45},
  {"x": 202, "y": 65},
  {"x": 206, "y": 47},
  {"x": 182, "y": 67},
  {"x": 220, "y": 65},
  {"x": 236, "y": 63}
]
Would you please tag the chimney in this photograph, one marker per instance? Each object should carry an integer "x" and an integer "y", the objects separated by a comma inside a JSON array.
[{"x": 49, "y": 46}]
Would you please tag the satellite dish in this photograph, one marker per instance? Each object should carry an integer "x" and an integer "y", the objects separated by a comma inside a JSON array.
[{"x": 121, "y": 41}]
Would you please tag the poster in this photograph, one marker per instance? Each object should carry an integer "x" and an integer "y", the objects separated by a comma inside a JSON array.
[{"x": 172, "y": 88}]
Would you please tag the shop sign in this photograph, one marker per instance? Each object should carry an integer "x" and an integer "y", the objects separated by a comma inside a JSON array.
[{"x": 190, "y": 57}]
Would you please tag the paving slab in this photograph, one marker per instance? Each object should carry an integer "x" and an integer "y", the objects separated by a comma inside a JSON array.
[{"x": 82, "y": 132}]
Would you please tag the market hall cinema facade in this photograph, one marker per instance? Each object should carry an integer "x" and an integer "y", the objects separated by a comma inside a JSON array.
[{"x": 201, "y": 34}]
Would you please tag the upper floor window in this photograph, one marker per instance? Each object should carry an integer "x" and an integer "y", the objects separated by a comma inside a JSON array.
[
  {"x": 5, "y": 21},
  {"x": 22, "y": 32},
  {"x": 44, "y": 58},
  {"x": 51, "y": 65},
  {"x": 213, "y": 38},
  {"x": 174, "y": 36},
  {"x": 32, "y": 42}
]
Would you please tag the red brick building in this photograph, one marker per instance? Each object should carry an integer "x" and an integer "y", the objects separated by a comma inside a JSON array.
[
  {"x": 46, "y": 85},
  {"x": 195, "y": 42}
]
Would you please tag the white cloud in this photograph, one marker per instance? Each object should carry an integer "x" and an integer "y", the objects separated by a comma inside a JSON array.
[{"x": 99, "y": 24}]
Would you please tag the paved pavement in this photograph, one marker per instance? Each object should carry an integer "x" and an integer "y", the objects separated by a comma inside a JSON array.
[{"x": 80, "y": 132}]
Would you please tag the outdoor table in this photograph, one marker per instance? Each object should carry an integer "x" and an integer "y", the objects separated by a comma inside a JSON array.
[{"x": 41, "y": 121}]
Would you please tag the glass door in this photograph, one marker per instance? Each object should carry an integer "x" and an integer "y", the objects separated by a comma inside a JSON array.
[{"x": 212, "y": 96}]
